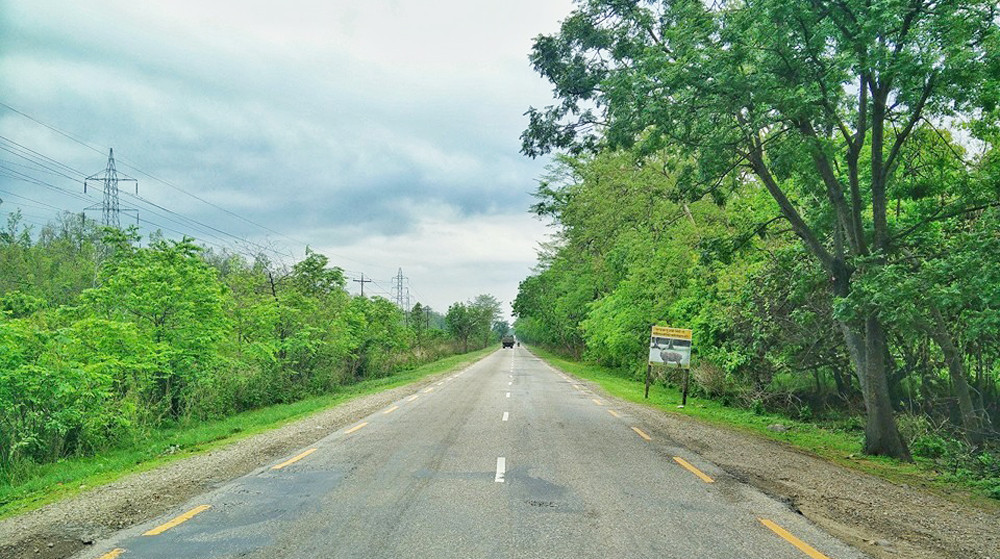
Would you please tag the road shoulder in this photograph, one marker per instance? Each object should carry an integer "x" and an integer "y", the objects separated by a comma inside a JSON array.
[
  {"x": 60, "y": 529},
  {"x": 883, "y": 519}
]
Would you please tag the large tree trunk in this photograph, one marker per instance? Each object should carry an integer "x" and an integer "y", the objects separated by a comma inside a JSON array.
[
  {"x": 971, "y": 419},
  {"x": 881, "y": 434},
  {"x": 866, "y": 344}
]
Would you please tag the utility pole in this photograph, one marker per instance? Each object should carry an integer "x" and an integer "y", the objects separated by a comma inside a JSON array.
[
  {"x": 110, "y": 208},
  {"x": 363, "y": 281}
]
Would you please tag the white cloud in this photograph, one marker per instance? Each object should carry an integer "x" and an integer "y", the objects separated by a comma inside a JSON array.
[
  {"x": 455, "y": 259},
  {"x": 383, "y": 130}
]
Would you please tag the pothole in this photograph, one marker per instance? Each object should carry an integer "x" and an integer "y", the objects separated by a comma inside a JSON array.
[{"x": 542, "y": 504}]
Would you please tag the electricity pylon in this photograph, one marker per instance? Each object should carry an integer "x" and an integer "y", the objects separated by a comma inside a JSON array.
[
  {"x": 111, "y": 208},
  {"x": 400, "y": 291}
]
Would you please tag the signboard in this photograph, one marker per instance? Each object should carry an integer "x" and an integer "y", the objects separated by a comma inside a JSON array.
[{"x": 670, "y": 347}]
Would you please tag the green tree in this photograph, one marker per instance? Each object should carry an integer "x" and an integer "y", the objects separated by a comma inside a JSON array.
[
  {"x": 174, "y": 298},
  {"x": 818, "y": 100},
  {"x": 485, "y": 310},
  {"x": 461, "y": 323},
  {"x": 501, "y": 328}
]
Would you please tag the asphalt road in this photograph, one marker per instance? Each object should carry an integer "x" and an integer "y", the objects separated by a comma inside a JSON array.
[{"x": 508, "y": 459}]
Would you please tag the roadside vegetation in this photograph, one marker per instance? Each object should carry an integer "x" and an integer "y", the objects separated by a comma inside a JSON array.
[
  {"x": 113, "y": 353},
  {"x": 812, "y": 187},
  {"x": 838, "y": 440},
  {"x": 57, "y": 480}
]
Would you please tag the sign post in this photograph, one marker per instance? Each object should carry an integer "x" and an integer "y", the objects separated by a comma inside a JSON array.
[{"x": 670, "y": 347}]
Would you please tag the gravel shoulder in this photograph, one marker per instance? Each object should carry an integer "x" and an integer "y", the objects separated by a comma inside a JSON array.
[
  {"x": 885, "y": 520},
  {"x": 61, "y": 529},
  {"x": 882, "y": 519}
]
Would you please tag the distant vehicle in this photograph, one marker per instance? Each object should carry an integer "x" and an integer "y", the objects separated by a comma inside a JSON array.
[{"x": 507, "y": 341}]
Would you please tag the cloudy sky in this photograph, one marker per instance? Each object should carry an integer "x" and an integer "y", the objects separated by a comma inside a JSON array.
[{"x": 382, "y": 133}]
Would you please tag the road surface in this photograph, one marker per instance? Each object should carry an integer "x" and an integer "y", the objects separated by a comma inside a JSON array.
[{"x": 508, "y": 458}]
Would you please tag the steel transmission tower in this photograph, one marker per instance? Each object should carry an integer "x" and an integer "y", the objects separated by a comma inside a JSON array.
[
  {"x": 399, "y": 290},
  {"x": 111, "y": 208}
]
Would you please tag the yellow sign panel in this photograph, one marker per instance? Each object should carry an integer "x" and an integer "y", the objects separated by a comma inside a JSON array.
[{"x": 667, "y": 332}]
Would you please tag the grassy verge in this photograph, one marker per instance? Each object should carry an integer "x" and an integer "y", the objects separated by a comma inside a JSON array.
[
  {"x": 827, "y": 441},
  {"x": 47, "y": 483}
]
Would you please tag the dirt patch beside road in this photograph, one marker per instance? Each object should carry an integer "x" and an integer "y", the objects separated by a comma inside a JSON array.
[
  {"x": 63, "y": 528},
  {"x": 885, "y": 520}
]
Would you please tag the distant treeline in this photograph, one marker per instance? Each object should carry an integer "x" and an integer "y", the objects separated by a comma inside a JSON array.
[{"x": 103, "y": 340}]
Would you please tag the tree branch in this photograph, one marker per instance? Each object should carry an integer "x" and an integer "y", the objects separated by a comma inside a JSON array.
[
  {"x": 914, "y": 117},
  {"x": 938, "y": 216},
  {"x": 787, "y": 208}
]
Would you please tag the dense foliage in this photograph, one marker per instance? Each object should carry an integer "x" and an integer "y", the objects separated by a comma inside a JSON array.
[
  {"x": 811, "y": 186},
  {"x": 103, "y": 340},
  {"x": 628, "y": 254}
]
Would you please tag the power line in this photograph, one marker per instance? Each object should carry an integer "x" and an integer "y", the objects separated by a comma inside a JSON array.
[
  {"x": 37, "y": 204},
  {"x": 15, "y": 174},
  {"x": 21, "y": 149},
  {"x": 49, "y": 206},
  {"x": 130, "y": 165},
  {"x": 35, "y": 167},
  {"x": 44, "y": 163},
  {"x": 206, "y": 227}
]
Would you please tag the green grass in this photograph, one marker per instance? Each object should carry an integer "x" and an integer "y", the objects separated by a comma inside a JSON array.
[
  {"x": 828, "y": 441},
  {"x": 47, "y": 483}
]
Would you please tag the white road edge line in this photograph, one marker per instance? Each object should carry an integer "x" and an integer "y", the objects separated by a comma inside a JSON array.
[
  {"x": 505, "y": 416},
  {"x": 501, "y": 468}
]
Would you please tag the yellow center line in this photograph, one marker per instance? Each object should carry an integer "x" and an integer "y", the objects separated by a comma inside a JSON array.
[
  {"x": 113, "y": 553},
  {"x": 412, "y": 398},
  {"x": 355, "y": 428},
  {"x": 429, "y": 389},
  {"x": 294, "y": 459},
  {"x": 801, "y": 545},
  {"x": 614, "y": 413},
  {"x": 639, "y": 432},
  {"x": 687, "y": 466},
  {"x": 598, "y": 402},
  {"x": 390, "y": 410},
  {"x": 177, "y": 521}
]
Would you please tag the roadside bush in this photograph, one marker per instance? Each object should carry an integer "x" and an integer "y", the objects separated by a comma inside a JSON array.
[
  {"x": 804, "y": 413},
  {"x": 711, "y": 378},
  {"x": 929, "y": 446},
  {"x": 169, "y": 335}
]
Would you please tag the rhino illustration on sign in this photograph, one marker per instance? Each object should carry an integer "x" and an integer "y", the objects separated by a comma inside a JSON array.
[
  {"x": 671, "y": 357},
  {"x": 668, "y": 356}
]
